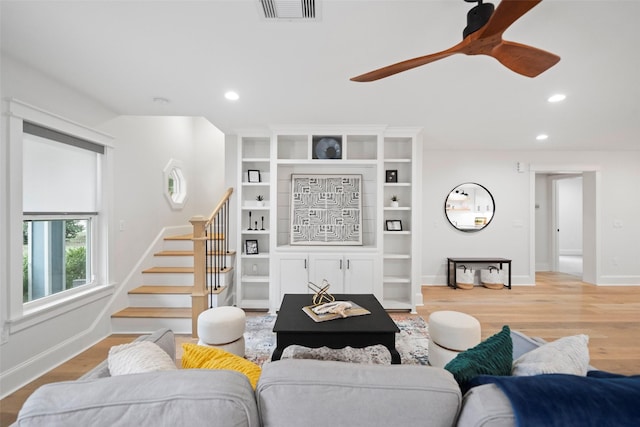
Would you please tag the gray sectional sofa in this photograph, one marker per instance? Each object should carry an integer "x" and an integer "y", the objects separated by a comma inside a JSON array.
[{"x": 289, "y": 393}]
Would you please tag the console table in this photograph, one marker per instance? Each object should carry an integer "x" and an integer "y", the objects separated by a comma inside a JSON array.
[{"x": 453, "y": 262}]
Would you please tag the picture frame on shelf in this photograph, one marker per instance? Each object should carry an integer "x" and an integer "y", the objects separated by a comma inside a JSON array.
[
  {"x": 251, "y": 247},
  {"x": 394, "y": 225},
  {"x": 253, "y": 175},
  {"x": 391, "y": 175}
]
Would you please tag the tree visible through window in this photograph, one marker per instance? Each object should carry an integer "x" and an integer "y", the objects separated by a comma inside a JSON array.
[{"x": 55, "y": 256}]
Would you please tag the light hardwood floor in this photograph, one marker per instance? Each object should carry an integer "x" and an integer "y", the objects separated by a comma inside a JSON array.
[{"x": 557, "y": 306}]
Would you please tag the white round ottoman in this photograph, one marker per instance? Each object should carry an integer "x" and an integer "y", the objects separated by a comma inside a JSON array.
[
  {"x": 223, "y": 327},
  {"x": 451, "y": 332},
  {"x": 237, "y": 347}
]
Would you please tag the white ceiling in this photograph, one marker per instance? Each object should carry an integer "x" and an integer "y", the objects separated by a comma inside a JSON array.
[{"x": 125, "y": 53}]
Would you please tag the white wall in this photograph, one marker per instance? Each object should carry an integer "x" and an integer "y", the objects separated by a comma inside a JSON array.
[
  {"x": 143, "y": 147},
  {"x": 543, "y": 223},
  {"x": 509, "y": 234}
]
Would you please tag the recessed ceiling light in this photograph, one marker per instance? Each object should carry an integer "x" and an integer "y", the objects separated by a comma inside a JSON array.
[
  {"x": 231, "y": 96},
  {"x": 557, "y": 97},
  {"x": 542, "y": 137}
]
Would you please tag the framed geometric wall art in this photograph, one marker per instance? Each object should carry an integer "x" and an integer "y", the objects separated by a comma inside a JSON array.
[{"x": 326, "y": 210}]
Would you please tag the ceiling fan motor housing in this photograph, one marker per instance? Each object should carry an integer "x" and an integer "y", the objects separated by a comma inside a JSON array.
[{"x": 477, "y": 17}]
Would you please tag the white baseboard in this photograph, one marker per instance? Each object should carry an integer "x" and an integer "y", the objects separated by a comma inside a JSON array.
[
  {"x": 619, "y": 281},
  {"x": 441, "y": 280}
]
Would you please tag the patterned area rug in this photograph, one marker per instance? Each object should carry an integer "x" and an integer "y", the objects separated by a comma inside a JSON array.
[{"x": 412, "y": 344}]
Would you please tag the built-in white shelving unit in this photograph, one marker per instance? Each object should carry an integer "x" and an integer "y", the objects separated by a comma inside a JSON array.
[
  {"x": 254, "y": 220},
  {"x": 386, "y": 262},
  {"x": 400, "y": 249}
]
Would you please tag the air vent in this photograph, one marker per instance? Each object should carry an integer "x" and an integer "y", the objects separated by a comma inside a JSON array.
[{"x": 289, "y": 9}]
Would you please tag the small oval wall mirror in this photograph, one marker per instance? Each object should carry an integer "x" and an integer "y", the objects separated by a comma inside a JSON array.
[{"x": 469, "y": 207}]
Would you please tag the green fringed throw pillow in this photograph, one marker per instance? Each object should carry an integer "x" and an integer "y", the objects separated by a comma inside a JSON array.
[{"x": 493, "y": 356}]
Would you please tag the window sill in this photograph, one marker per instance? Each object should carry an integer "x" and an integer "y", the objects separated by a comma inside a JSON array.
[{"x": 43, "y": 312}]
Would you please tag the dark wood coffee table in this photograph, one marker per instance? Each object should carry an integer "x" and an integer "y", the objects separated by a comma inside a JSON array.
[{"x": 294, "y": 326}]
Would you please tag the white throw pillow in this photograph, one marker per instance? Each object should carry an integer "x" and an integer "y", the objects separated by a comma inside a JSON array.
[
  {"x": 567, "y": 355},
  {"x": 138, "y": 357}
]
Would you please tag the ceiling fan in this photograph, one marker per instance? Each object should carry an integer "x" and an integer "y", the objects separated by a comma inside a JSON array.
[{"x": 483, "y": 36}]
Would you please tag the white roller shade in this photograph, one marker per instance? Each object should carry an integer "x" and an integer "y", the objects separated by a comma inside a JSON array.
[{"x": 58, "y": 177}]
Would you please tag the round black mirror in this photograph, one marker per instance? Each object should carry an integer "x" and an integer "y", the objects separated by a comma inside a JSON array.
[{"x": 469, "y": 207}]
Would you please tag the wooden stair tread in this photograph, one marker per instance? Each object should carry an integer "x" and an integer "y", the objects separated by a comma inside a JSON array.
[
  {"x": 160, "y": 289},
  {"x": 180, "y": 237},
  {"x": 169, "y": 289},
  {"x": 216, "y": 236},
  {"x": 157, "y": 312},
  {"x": 174, "y": 253},
  {"x": 189, "y": 253},
  {"x": 183, "y": 270}
]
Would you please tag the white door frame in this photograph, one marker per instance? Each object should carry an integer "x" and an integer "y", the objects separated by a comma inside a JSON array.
[{"x": 591, "y": 213}]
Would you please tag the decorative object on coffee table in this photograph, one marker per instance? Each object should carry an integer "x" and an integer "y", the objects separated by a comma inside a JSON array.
[
  {"x": 321, "y": 295},
  {"x": 336, "y": 307},
  {"x": 334, "y": 310}
]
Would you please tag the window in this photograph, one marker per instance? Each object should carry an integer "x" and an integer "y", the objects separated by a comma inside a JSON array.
[
  {"x": 175, "y": 188},
  {"x": 56, "y": 256},
  {"x": 60, "y": 192}
]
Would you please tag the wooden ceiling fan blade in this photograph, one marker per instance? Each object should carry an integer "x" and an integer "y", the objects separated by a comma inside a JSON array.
[
  {"x": 526, "y": 60},
  {"x": 507, "y": 12},
  {"x": 399, "y": 67}
]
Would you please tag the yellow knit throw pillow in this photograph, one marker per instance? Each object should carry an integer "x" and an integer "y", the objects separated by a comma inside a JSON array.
[{"x": 201, "y": 357}]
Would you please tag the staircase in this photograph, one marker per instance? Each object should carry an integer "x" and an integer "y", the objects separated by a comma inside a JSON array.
[{"x": 169, "y": 295}]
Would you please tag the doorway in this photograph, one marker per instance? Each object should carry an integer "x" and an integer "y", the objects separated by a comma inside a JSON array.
[
  {"x": 567, "y": 206},
  {"x": 564, "y": 221}
]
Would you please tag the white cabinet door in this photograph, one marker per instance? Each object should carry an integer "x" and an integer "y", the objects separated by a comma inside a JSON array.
[
  {"x": 329, "y": 267},
  {"x": 294, "y": 274},
  {"x": 360, "y": 275}
]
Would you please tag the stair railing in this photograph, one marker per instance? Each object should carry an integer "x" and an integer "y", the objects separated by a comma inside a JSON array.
[{"x": 210, "y": 257}]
